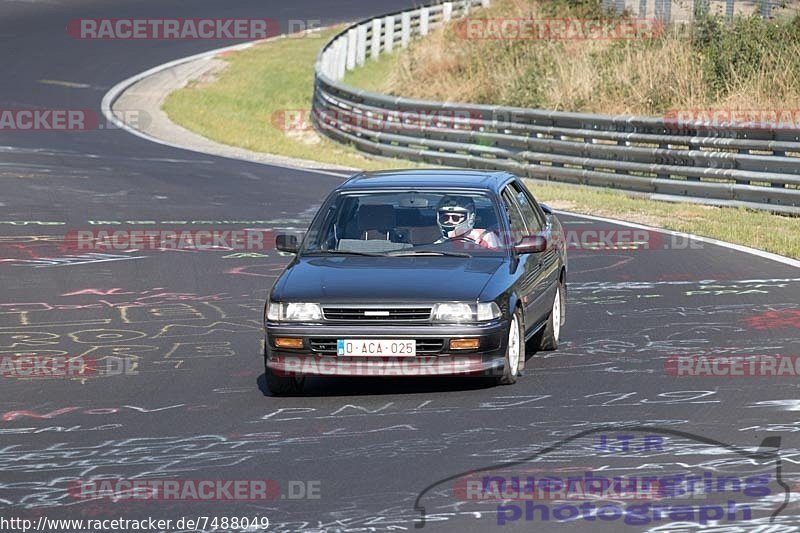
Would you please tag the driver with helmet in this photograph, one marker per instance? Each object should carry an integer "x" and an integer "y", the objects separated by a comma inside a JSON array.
[{"x": 455, "y": 216}]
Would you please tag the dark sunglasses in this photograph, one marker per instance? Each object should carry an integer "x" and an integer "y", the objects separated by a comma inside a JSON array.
[{"x": 452, "y": 217}]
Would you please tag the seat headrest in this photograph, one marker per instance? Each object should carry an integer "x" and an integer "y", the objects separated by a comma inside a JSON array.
[{"x": 379, "y": 217}]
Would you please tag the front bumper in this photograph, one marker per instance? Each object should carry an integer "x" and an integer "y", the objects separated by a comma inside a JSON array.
[{"x": 434, "y": 358}]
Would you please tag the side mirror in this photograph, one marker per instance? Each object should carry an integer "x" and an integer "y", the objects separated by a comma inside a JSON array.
[
  {"x": 287, "y": 243},
  {"x": 531, "y": 244}
]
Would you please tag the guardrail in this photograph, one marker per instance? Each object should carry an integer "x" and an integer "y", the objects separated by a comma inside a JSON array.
[{"x": 756, "y": 168}]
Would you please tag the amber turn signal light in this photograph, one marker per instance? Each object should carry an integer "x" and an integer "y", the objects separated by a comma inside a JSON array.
[
  {"x": 464, "y": 344},
  {"x": 288, "y": 342}
]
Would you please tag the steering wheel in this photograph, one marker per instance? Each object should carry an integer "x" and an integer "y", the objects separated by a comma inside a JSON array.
[{"x": 463, "y": 238}]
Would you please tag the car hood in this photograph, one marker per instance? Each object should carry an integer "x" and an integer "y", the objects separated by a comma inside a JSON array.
[{"x": 380, "y": 279}]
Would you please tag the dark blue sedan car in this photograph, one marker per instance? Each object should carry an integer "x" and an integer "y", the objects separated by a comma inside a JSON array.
[{"x": 418, "y": 272}]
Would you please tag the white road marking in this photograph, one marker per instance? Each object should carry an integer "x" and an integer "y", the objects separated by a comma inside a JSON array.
[{"x": 739, "y": 248}]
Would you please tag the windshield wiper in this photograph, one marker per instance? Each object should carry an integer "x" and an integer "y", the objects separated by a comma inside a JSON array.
[
  {"x": 344, "y": 252},
  {"x": 402, "y": 253}
]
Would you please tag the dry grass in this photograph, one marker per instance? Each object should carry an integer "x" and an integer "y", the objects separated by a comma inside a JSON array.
[{"x": 633, "y": 76}]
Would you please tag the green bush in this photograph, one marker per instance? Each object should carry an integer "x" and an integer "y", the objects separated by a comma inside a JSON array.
[
  {"x": 736, "y": 53},
  {"x": 575, "y": 8}
]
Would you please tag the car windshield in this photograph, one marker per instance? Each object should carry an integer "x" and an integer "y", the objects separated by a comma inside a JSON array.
[{"x": 407, "y": 223}]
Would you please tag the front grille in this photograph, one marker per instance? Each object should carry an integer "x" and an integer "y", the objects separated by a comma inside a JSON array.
[
  {"x": 323, "y": 346},
  {"x": 369, "y": 314},
  {"x": 424, "y": 346},
  {"x": 429, "y": 345}
]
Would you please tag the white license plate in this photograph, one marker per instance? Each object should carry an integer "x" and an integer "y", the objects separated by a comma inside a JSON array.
[{"x": 373, "y": 347}]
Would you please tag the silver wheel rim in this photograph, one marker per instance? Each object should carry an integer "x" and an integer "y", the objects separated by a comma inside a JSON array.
[
  {"x": 513, "y": 345},
  {"x": 557, "y": 314}
]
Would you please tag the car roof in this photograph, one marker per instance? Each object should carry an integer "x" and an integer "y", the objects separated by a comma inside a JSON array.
[{"x": 428, "y": 178}]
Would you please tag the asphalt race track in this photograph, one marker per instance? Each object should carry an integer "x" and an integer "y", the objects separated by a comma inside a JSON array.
[{"x": 371, "y": 452}]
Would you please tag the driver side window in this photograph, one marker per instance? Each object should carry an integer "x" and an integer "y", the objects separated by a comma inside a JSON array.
[
  {"x": 529, "y": 214},
  {"x": 515, "y": 219}
]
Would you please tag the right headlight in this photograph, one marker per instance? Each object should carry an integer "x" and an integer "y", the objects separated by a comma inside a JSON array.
[{"x": 458, "y": 312}]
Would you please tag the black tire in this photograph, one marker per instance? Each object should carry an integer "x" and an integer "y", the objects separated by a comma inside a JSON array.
[
  {"x": 282, "y": 385},
  {"x": 513, "y": 362},
  {"x": 549, "y": 334}
]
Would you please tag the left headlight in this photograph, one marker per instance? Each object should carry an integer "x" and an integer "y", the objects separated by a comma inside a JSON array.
[
  {"x": 293, "y": 312},
  {"x": 466, "y": 312}
]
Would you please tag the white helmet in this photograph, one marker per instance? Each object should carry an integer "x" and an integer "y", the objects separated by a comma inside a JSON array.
[{"x": 455, "y": 216}]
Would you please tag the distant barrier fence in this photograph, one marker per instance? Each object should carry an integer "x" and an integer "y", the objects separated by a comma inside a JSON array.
[
  {"x": 694, "y": 160},
  {"x": 686, "y": 10}
]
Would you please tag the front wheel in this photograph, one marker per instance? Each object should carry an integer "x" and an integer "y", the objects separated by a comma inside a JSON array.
[
  {"x": 282, "y": 385},
  {"x": 515, "y": 351},
  {"x": 552, "y": 330}
]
